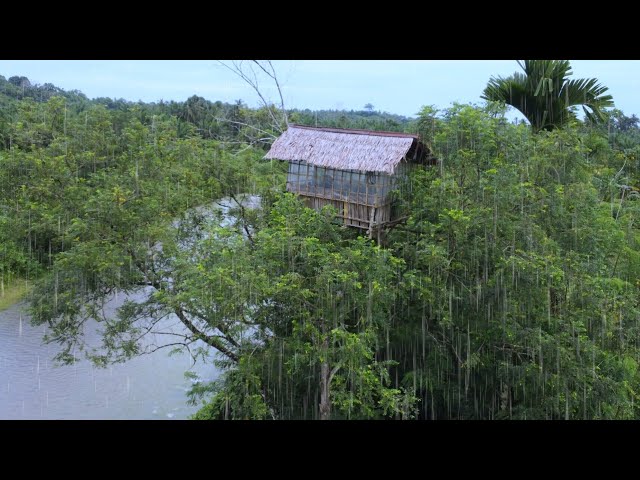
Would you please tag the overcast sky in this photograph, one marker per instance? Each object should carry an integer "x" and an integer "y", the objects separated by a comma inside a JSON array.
[{"x": 396, "y": 86}]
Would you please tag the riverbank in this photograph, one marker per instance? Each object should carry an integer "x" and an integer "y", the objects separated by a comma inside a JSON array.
[{"x": 14, "y": 292}]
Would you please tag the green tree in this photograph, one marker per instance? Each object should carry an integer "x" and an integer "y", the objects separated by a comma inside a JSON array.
[
  {"x": 316, "y": 302},
  {"x": 115, "y": 220},
  {"x": 545, "y": 95},
  {"x": 525, "y": 295}
]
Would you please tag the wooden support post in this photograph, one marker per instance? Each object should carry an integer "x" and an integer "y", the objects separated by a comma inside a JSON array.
[
  {"x": 366, "y": 190},
  {"x": 372, "y": 217}
]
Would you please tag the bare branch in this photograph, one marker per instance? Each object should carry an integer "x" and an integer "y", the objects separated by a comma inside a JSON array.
[
  {"x": 237, "y": 68},
  {"x": 271, "y": 136},
  {"x": 274, "y": 77}
]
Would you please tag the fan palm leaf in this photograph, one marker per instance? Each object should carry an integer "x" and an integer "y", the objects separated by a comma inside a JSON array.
[{"x": 545, "y": 95}]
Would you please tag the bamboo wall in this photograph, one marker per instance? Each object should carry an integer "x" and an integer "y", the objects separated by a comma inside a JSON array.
[{"x": 362, "y": 199}]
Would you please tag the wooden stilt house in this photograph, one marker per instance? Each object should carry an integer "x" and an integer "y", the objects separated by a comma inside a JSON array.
[{"x": 353, "y": 170}]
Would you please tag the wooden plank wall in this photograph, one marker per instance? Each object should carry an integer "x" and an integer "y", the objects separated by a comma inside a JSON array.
[{"x": 352, "y": 214}]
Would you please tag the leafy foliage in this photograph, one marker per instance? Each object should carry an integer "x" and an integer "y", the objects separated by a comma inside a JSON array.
[
  {"x": 511, "y": 292},
  {"x": 522, "y": 308}
]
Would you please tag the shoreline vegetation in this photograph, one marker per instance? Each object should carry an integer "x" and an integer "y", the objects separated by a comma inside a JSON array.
[{"x": 14, "y": 291}]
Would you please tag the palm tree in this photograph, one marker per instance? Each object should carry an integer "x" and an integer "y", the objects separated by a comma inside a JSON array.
[{"x": 546, "y": 97}]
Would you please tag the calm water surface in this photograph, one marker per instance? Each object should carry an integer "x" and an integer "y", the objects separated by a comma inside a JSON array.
[{"x": 148, "y": 387}]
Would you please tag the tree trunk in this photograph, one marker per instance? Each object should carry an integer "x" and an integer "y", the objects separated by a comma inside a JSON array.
[
  {"x": 325, "y": 376},
  {"x": 325, "y": 400}
]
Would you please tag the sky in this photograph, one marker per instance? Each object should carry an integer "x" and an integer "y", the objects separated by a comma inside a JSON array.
[{"x": 396, "y": 86}]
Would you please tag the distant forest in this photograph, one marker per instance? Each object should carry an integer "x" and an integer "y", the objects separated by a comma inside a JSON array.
[{"x": 210, "y": 119}]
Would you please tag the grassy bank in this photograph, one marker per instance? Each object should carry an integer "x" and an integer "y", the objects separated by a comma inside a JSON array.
[{"x": 13, "y": 292}]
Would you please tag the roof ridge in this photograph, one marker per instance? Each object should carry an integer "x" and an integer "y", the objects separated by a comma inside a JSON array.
[{"x": 356, "y": 131}]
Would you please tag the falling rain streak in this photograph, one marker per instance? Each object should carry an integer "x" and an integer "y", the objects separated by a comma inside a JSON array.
[{"x": 508, "y": 288}]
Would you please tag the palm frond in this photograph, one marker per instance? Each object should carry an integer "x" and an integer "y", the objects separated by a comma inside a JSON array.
[
  {"x": 590, "y": 94},
  {"x": 545, "y": 95}
]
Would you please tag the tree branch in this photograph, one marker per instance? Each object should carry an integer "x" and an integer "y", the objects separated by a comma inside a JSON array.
[
  {"x": 274, "y": 77},
  {"x": 208, "y": 339},
  {"x": 243, "y": 215},
  {"x": 271, "y": 136},
  {"x": 213, "y": 341},
  {"x": 334, "y": 370},
  {"x": 253, "y": 83}
]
